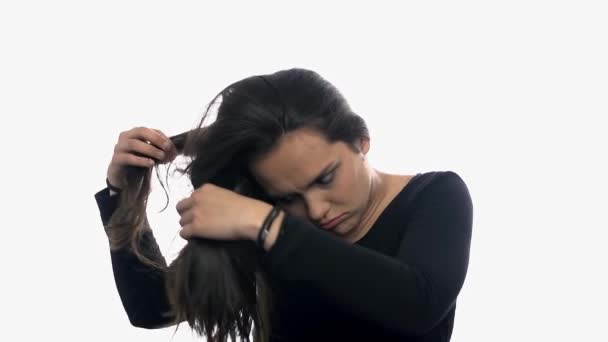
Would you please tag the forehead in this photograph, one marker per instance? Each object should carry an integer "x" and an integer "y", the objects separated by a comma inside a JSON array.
[{"x": 297, "y": 159}]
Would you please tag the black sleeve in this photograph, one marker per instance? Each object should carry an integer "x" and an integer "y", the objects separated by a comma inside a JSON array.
[
  {"x": 141, "y": 288},
  {"x": 409, "y": 293}
]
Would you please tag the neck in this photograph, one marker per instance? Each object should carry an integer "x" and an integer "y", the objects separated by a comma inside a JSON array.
[{"x": 378, "y": 188}]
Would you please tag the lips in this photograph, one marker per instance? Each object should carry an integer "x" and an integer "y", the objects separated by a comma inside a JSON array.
[{"x": 334, "y": 222}]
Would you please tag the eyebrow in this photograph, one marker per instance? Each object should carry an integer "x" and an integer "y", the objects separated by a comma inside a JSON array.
[{"x": 311, "y": 183}]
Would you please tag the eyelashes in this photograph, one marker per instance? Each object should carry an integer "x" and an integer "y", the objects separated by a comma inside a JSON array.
[{"x": 326, "y": 180}]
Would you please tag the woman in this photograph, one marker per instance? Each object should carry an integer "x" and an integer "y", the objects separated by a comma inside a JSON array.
[{"x": 350, "y": 253}]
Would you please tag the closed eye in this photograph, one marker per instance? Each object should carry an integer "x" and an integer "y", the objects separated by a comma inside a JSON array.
[{"x": 326, "y": 180}]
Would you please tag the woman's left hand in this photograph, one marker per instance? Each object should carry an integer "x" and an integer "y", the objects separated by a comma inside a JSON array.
[{"x": 217, "y": 213}]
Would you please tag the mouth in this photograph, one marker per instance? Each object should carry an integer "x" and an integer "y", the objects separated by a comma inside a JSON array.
[{"x": 334, "y": 222}]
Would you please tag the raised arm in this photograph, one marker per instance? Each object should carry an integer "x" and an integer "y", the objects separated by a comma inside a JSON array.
[{"x": 141, "y": 288}]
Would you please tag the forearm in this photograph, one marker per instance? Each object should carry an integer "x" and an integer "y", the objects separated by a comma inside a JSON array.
[
  {"x": 408, "y": 291},
  {"x": 140, "y": 287},
  {"x": 374, "y": 287}
]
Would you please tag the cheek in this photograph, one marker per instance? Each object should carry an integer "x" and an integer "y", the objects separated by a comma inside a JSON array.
[
  {"x": 354, "y": 188},
  {"x": 347, "y": 186}
]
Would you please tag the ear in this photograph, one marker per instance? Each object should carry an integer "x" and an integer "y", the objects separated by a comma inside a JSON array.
[{"x": 364, "y": 144}]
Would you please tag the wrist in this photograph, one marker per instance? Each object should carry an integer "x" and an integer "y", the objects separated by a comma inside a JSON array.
[
  {"x": 274, "y": 231},
  {"x": 113, "y": 188},
  {"x": 259, "y": 215}
]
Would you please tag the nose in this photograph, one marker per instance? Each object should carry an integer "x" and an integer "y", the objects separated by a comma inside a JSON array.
[{"x": 317, "y": 208}]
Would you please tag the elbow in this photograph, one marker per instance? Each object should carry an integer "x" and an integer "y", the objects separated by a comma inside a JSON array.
[
  {"x": 432, "y": 319},
  {"x": 426, "y": 320},
  {"x": 417, "y": 320},
  {"x": 437, "y": 303},
  {"x": 149, "y": 314},
  {"x": 138, "y": 323},
  {"x": 149, "y": 322},
  {"x": 429, "y": 311}
]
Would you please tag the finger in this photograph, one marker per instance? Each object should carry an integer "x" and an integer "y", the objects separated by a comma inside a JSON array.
[
  {"x": 183, "y": 205},
  {"x": 151, "y": 136},
  {"x": 170, "y": 155},
  {"x": 169, "y": 145},
  {"x": 186, "y": 218},
  {"x": 131, "y": 159},
  {"x": 186, "y": 232},
  {"x": 142, "y": 149}
]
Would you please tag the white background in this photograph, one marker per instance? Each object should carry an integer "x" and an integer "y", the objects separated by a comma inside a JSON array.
[{"x": 511, "y": 95}]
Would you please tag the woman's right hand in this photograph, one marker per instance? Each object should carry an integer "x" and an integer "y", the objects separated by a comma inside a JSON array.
[{"x": 141, "y": 147}]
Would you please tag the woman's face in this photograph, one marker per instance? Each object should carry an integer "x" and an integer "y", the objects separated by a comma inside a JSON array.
[{"x": 311, "y": 178}]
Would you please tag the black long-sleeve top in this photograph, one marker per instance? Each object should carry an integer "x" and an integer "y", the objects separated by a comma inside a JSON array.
[{"x": 398, "y": 283}]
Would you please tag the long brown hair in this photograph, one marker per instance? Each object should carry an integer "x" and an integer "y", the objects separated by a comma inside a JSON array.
[{"x": 219, "y": 287}]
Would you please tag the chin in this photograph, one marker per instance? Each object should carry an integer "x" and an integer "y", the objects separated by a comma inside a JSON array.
[{"x": 343, "y": 229}]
